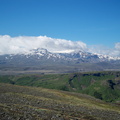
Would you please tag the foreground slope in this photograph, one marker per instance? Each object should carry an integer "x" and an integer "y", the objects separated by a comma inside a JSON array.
[{"x": 21, "y": 102}]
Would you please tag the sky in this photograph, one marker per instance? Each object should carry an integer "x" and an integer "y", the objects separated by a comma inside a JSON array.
[{"x": 92, "y": 24}]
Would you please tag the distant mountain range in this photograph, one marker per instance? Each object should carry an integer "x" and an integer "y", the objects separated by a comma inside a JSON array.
[{"x": 42, "y": 57}]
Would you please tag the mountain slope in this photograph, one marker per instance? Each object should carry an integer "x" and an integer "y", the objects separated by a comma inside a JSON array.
[
  {"x": 41, "y": 58},
  {"x": 17, "y": 102}
]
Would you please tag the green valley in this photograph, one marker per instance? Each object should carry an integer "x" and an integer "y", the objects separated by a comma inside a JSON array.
[{"x": 102, "y": 85}]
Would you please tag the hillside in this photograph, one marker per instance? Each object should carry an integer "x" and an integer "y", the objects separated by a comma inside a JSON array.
[
  {"x": 102, "y": 85},
  {"x": 21, "y": 103}
]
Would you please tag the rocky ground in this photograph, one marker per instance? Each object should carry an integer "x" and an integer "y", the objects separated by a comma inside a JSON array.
[{"x": 30, "y": 103}]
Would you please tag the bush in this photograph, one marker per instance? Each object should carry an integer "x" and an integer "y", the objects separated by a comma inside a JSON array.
[{"x": 98, "y": 95}]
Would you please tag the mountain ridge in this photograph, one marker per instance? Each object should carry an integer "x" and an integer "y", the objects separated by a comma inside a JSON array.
[
  {"x": 73, "y": 54},
  {"x": 75, "y": 60}
]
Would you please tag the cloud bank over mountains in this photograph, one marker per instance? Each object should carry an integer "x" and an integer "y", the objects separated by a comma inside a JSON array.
[
  {"x": 104, "y": 50},
  {"x": 23, "y": 44}
]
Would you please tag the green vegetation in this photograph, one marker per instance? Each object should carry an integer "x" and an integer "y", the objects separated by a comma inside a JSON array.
[{"x": 102, "y": 85}]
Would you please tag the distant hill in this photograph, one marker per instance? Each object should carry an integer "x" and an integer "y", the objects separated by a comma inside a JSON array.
[
  {"x": 32, "y": 103},
  {"x": 102, "y": 85}
]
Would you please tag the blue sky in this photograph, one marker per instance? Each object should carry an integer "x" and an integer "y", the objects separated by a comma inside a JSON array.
[{"x": 94, "y": 22}]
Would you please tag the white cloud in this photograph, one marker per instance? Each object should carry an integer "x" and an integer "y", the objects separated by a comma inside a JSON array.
[
  {"x": 23, "y": 44},
  {"x": 117, "y": 49},
  {"x": 117, "y": 46},
  {"x": 100, "y": 49}
]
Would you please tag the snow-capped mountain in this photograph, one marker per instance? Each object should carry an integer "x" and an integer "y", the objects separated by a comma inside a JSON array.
[
  {"x": 73, "y": 56},
  {"x": 41, "y": 56}
]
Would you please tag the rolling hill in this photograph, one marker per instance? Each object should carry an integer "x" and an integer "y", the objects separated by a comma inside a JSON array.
[{"x": 102, "y": 85}]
